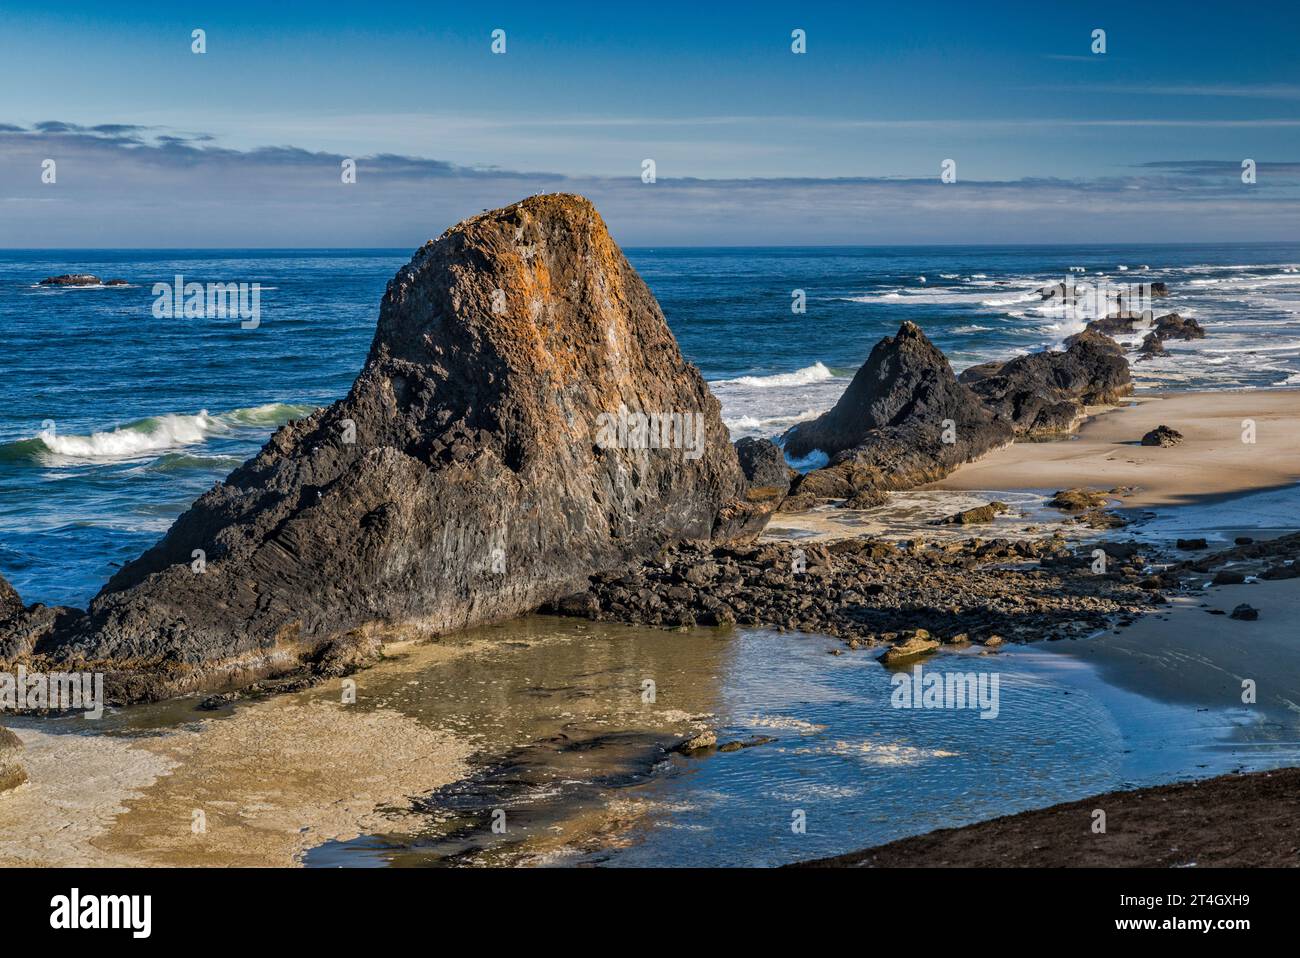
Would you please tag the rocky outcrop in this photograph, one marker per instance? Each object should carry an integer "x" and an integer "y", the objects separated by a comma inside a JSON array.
[
  {"x": 873, "y": 592},
  {"x": 12, "y": 773},
  {"x": 1173, "y": 326},
  {"x": 80, "y": 279},
  {"x": 763, "y": 464},
  {"x": 1151, "y": 347},
  {"x": 1162, "y": 436},
  {"x": 10, "y": 603},
  {"x": 975, "y": 516},
  {"x": 904, "y": 420},
  {"x": 1044, "y": 394},
  {"x": 72, "y": 279},
  {"x": 523, "y": 421}
]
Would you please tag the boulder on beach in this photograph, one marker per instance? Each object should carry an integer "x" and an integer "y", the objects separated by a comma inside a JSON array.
[
  {"x": 1162, "y": 436},
  {"x": 763, "y": 463},
  {"x": 1078, "y": 500},
  {"x": 904, "y": 420},
  {"x": 1044, "y": 393},
  {"x": 524, "y": 420},
  {"x": 1244, "y": 613},
  {"x": 12, "y": 773}
]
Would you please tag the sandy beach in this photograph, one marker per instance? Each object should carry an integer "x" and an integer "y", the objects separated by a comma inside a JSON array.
[{"x": 1211, "y": 461}]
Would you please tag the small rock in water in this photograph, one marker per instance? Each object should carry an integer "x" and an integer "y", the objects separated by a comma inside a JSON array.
[
  {"x": 972, "y": 516},
  {"x": 71, "y": 279},
  {"x": 706, "y": 739},
  {"x": 915, "y": 645},
  {"x": 1245, "y": 612},
  {"x": 1189, "y": 545},
  {"x": 1162, "y": 436},
  {"x": 1243, "y": 541},
  {"x": 1077, "y": 500}
]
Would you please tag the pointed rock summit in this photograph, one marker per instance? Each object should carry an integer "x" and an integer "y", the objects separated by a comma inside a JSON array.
[
  {"x": 524, "y": 420},
  {"x": 904, "y": 420}
]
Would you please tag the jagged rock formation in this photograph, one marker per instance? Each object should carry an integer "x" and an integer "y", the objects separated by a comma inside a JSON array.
[
  {"x": 1044, "y": 393},
  {"x": 524, "y": 420},
  {"x": 904, "y": 420},
  {"x": 1173, "y": 326}
]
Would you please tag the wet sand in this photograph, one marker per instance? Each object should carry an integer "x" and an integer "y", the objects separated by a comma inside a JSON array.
[
  {"x": 1191, "y": 656},
  {"x": 267, "y": 782},
  {"x": 1212, "y": 461}
]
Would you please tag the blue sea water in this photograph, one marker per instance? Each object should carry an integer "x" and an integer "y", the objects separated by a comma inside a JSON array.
[{"x": 112, "y": 421}]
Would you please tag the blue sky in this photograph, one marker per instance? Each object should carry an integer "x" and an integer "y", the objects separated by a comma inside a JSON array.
[{"x": 241, "y": 146}]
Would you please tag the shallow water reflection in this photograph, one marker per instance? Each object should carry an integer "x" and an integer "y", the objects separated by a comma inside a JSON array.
[{"x": 574, "y": 765}]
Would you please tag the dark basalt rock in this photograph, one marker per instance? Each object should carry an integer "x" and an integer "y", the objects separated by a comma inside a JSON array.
[
  {"x": 1114, "y": 323},
  {"x": 904, "y": 420},
  {"x": 465, "y": 478},
  {"x": 10, "y": 603},
  {"x": 1173, "y": 326},
  {"x": 1044, "y": 393},
  {"x": 72, "y": 279},
  {"x": 1151, "y": 347},
  {"x": 1245, "y": 613},
  {"x": 763, "y": 463},
  {"x": 1162, "y": 436}
]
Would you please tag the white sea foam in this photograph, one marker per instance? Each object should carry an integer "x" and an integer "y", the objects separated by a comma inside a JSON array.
[
  {"x": 815, "y": 373},
  {"x": 146, "y": 438}
]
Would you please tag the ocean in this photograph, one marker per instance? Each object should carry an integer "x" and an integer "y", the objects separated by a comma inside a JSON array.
[{"x": 112, "y": 420}]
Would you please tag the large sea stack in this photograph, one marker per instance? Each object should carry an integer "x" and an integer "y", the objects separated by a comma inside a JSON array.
[
  {"x": 488, "y": 459},
  {"x": 904, "y": 420}
]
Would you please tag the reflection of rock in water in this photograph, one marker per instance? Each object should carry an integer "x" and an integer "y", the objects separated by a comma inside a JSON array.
[
  {"x": 570, "y": 723},
  {"x": 545, "y": 795}
]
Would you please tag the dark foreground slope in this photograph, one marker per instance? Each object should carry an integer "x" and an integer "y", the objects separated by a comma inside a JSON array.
[{"x": 1230, "y": 821}]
